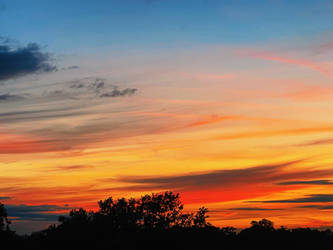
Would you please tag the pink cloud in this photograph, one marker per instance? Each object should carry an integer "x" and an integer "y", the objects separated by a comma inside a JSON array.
[{"x": 300, "y": 62}]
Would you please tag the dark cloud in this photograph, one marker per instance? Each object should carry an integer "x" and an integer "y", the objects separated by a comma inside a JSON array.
[
  {"x": 116, "y": 92},
  {"x": 328, "y": 207},
  {"x": 251, "y": 209},
  {"x": 71, "y": 168},
  {"x": 311, "y": 182},
  {"x": 308, "y": 206},
  {"x": 210, "y": 179},
  {"x": 95, "y": 86},
  {"x": 5, "y": 198},
  {"x": 77, "y": 86},
  {"x": 101, "y": 88},
  {"x": 16, "y": 62},
  {"x": 307, "y": 199},
  {"x": 10, "y": 97},
  {"x": 98, "y": 84},
  {"x": 221, "y": 178},
  {"x": 39, "y": 212}
]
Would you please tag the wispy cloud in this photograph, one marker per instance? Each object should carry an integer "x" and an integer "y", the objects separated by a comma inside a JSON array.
[
  {"x": 213, "y": 119},
  {"x": 38, "y": 114},
  {"x": 116, "y": 92},
  {"x": 89, "y": 88},
  {"x": 282, "y": 59}
]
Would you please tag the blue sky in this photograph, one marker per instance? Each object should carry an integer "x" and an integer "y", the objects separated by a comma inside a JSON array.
[{"x": 76, "y": 26}]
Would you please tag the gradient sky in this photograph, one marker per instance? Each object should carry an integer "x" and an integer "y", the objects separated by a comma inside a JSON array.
[{"x": 227, "y": 102}]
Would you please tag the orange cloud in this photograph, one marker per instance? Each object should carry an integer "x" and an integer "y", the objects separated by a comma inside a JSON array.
[
  {"x": 310, "y": 93},
  {"x": 274, "y": 133}
]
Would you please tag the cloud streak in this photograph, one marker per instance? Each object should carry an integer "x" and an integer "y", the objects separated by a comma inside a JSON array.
[
  {"x": 259, "y": 134},
  {"x": 10, "y": 97},
  {"x": 300, "y": 62},
  {"x": 320, "y": 207},
  {"x": 213, "y": 178},
  {"x": 35, "y": 212},
  {"x": 312, "y": 198},
  {"x": 311, "y": 182}
]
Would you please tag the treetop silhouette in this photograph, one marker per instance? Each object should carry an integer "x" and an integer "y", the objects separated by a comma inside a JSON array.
[{"x": 157, "y": 221}]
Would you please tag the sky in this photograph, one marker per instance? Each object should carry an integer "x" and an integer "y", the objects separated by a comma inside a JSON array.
[{"x": 227, "y": 102}]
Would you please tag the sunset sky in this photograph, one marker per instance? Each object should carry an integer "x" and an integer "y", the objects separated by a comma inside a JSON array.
[{"x": 229, "y": 103}]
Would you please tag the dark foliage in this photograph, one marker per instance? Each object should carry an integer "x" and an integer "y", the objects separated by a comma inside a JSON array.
[{"x": 157, "y": 221}]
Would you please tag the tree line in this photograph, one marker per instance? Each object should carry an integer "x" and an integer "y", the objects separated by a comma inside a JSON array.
[{"x": 156, "y": 221}]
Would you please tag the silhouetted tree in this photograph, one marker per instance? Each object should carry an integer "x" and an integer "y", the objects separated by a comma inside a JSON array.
[
  {"x": 200, "y": 217},
  {"x": 4, "y": 222},
  {"x": 121, "y": 214},
  {"x": 157, "y": 221},
  {"x": 161, "y": 211},
  {"x": 263, "y": 224}
]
